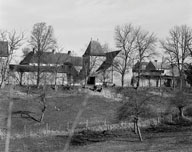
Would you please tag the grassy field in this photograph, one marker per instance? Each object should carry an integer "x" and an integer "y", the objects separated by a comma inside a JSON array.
[{"x": 62, "y": 109}]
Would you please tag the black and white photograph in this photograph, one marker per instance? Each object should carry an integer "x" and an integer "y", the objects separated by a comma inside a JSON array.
[{"x": 95, "y": 75}]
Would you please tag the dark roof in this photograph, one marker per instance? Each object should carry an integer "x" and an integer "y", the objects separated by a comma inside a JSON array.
[
  {"x": 3, "y": 49},
  {"x": 141, "y": 66},
  {"x": 151, "y": 66},
  {"x": 109, "y": 61},
  {"x": 52, "y": 58},
  {"x": 94, "y": 49}
]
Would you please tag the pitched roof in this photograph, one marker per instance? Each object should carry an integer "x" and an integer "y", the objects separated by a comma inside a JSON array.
[
  {"x": 141, "y": 66},
  {"x": 94, "y": 49},
  {"x": 161, "y": 65},
  {"x": 52, "y": 58},
  {"x": 3, "y": 49},
  {"x": 109, "y": 61}
]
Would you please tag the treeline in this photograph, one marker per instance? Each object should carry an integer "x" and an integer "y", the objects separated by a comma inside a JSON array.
[{"x": 136, "y": 44}]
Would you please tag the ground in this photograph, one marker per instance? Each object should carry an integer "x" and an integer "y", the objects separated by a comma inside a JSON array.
[{"x": 62, "y": 109}]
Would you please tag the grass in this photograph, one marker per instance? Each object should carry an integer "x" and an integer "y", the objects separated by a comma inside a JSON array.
[
  {"x": 61, "y": 112},
  {"x": 118, "y": 141}
]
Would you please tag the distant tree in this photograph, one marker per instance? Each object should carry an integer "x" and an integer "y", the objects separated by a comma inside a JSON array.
[
  {"x": 189, "y": 74},
  {"x": 15, "y": 41},
  {"x": 125, "y": 40},
  {"x": 144, "y": 48},
  {"x": 178, "y": 45},
  {"x": 171, "y": 60},
  {"x": 136, "y": 106},
  {"x": 180, "y": 100},
  {"x": 42, "y": 39}
]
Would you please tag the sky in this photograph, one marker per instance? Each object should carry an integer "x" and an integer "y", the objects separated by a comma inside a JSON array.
[{"x": 76, "y": 22}]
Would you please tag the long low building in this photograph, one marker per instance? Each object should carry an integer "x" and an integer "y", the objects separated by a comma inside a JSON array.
[{"x": 60, "y": 65}]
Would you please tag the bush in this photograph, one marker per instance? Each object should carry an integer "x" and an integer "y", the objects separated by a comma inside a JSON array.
[{"x": 188, "y": 111}]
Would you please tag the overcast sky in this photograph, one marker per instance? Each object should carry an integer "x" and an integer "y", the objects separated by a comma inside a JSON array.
[{"x": 77, "y": 21}]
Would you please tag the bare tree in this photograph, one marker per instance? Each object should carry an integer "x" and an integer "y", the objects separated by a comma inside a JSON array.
[
  {"x": 145, "y": 48},
  {"x": 42, "y": 39},
  {"x": 171, "y": 60},
  {"x": 180, "y": 100},
  {"x": 178, "y": 45},
  {"x": 137, "y": 106},
  {"x": 15, "y": 41},
  {"x": 125, "y": 40}
]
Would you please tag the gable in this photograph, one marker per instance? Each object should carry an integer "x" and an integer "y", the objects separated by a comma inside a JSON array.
[{"x": 150, "y": 66}]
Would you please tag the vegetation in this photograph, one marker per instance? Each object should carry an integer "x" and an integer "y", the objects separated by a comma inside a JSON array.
[
  {"x": 42, "y": 40},
  {"x": 15, "y": 41},
  {"x": 135, "y": 44},
  {"x": 63, "y": 112},
  {"x": 177, "y": 46},
  {"x": 180, "y": 100}
]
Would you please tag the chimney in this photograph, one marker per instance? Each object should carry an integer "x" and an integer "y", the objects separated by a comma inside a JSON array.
[
  {"x": 156, "y": 64},
  {"x": 69, "y": 53}
]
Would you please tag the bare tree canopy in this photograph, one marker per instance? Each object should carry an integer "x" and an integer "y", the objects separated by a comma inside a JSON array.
[
  {"x": 42, "y": 40},
  {"x": 145, "y": 48},
  {"x": 125, "y": 40},
  {"x": 145, "y": 44},
  {"x": 177, "y": 45},
  {"x": 136, "y": 44},
  {"x": 15, "y": 41},
  {"x": 42, "y": 37}
]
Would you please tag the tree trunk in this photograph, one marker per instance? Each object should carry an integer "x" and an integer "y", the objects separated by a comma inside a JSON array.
[
  {"x": 2, "y": 83},
  {"x": 149, "y": 82},
  {"x": 139, "y": 131},
  {"x": 42, "y": 117},
  {"x": 43, "y": 101},
  {"x": 122, "y": 80},
  {"x": 38, "y": 78},
  {"x": 138, "y": 82},
  {"x": 4, "y": 73},
  {"x": 38, "y": 69},
  {"x": 181, "y": 115},
  {"x": 55, "y": 81},
  {"x": 135, "y": 128},
  {"x": 21, "y": 78}
]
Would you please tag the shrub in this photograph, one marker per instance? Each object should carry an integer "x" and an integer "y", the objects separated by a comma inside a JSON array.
[{"x": 188, "y": 111}]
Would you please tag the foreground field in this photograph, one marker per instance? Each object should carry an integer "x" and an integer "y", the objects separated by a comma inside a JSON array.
[
  {"x": 115, "y": 141},
  {"x": 63, "y": 108}
]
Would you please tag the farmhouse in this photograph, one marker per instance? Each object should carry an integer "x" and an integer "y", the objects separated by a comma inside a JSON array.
[
  {"x": 156, "y": 74},
  {"x": 63, "y": 68},
  {"x": 56, "y": 68}
]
